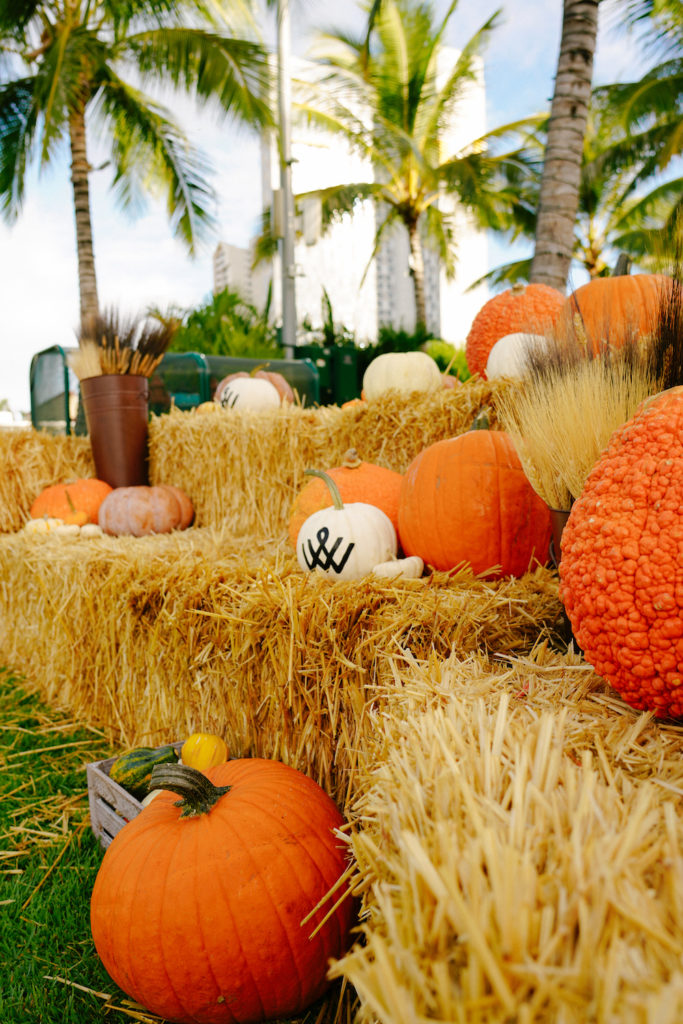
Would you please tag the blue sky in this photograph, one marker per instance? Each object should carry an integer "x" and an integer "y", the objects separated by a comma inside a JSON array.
[{"x": 138, "y": 261}]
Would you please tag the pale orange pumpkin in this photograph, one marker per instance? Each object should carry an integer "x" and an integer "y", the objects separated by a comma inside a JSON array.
[
  {"x": 609, "y": 311},
  {"x": 140, "y": 510}
]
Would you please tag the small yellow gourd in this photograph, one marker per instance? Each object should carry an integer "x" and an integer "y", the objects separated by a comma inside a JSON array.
[{"x": 204, "y": 750}]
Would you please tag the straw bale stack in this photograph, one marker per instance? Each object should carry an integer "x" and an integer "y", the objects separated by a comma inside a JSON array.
[
  {"x": 152, "y": 638},
  {"x": 29, "y": 462},
  {"x": 518, "y": 838},
  {"x": 244, "y": 469}
]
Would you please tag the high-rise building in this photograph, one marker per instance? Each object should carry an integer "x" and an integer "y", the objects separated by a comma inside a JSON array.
[{"x": 365, "y": 292}]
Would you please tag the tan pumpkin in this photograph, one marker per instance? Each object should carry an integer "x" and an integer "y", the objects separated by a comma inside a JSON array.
[
  {"x": 280, "y": 384},
  {"x": 138, "y": 511}
]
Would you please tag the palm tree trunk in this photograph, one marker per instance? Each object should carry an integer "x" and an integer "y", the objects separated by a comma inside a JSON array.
[
  {"x": 559, "y": 198},
  {"x": 87, "y": 280},
  {"x": 417, "y": 269}
]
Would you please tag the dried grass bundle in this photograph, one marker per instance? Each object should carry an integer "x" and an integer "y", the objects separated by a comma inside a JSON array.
[
  {"x": 517, "y": 836},
  {"x": 126, "y": 343},
  {"x": 85, "y": 361},
  {"x": 563, "y": 414}
]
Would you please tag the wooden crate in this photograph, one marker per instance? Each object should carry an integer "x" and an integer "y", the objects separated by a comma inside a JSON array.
[{"x": 111, "y": 806}]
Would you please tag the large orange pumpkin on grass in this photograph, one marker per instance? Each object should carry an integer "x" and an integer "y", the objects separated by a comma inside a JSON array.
[
  {"x": 613, "y": 310},
  {"x": 467, "y": 499},
  {"x": 621, "y": 571},
  {"x": 76, "y": 502},
  {"x": 356, "y": 481},
  {"x": 522, "y": 309},
  {"x": 200, "y": 917}
]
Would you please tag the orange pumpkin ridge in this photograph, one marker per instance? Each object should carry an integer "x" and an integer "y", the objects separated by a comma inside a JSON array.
[
  {"x": 357, "y": 481},
  {"x": 613, "y": 310},
  {"x": 467, "y": 500},
  {"x": 215, "y": 903},
  {"x": 528, "y": 309}
]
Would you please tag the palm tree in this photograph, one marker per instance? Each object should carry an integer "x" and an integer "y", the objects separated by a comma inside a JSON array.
[
  {"x": 561, "y": 178},
  {"x": 381, "y": 91},
  {"x": 624, "y": 207},
  {"x": 70, "y": 67}
]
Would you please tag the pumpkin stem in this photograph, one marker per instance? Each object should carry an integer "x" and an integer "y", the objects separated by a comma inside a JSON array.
[
  {"x": 198, "y": 793},
  {"x": 623, "y": 265},
  {"x": 352, "y": 459},
  {"x": 334, "y": 490},
  {"x": 481, "y": 420}
]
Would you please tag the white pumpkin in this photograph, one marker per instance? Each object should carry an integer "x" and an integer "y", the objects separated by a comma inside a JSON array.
[
  {"x": 410, "y": 568},
  {"x": 45, "y": 524},
  {"x": 253, "y": 393},
  {"x": 401, "y": 371},
  {"x": 507, "y": 358},
  {"x": 345, "y": 542}
]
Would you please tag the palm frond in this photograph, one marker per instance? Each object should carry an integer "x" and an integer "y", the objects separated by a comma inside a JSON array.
[
  {"x": 149, "y": 152},
  {"x": 233, "y": 74},
  {"x": 18, "y": 123}
]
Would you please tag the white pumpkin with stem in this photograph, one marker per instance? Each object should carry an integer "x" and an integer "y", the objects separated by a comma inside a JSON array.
[
  {"x": 401, "y": 371},
  {"x": 250, "y": 393},
  {"x": 345, "y": 542}
]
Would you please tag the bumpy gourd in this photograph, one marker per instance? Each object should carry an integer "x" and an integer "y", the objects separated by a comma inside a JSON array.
[
  {"x": 621, "y": 569},
  {"x": 532, "y": 308}
]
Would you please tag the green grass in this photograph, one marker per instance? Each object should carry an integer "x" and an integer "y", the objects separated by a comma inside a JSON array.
[
  {"x": 48, "y": 861},
  {"x": 49, "y": 969}
]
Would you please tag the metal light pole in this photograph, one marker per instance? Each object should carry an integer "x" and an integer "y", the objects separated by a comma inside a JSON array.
[{"x": 288, "y": 268}]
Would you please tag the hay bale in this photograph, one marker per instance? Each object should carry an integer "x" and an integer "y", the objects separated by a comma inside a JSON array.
[
  {"x": 518, "y": 837},
  {"x": 31, "y": 460},
  {"x": 244, "y": 469},
  {"x": 152, "y": 638}
]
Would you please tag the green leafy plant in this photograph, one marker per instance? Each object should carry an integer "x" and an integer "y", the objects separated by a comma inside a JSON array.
[{"x": 226, "y": 325}]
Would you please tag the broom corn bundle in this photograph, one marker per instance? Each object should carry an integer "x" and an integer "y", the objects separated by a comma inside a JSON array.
[
  {"x": 113, "y": 343},
  {"x": 560, "y": 419}
]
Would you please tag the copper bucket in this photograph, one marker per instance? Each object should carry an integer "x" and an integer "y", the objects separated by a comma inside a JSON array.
[{"x": 117, "y": 412}]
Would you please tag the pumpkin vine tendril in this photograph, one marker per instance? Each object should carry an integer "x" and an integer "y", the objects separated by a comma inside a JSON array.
[{"x": 198, "y": 793}]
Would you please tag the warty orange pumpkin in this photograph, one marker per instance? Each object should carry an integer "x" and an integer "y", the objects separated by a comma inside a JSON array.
[
  {"x": 198, "y": 911},
  {"x": 525, "y": 309},
  {"x": 467, "y": 499},
  {"x": 357, "y": 481},
  {"x": 621, "y": 570},
  {"x": 71, "y": 502}
]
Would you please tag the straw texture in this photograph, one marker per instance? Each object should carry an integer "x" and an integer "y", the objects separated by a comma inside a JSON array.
[
  {"x": 258, "y": 460},
  {"x": 197, "y": 630},
  {"x": 518, "y": 846},
  {"x": 29, "y": 462}
]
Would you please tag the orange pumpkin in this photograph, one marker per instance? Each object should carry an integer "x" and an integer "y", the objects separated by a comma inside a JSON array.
[
  {"x": 281, "y": 385},
  {"x": 141, "y": 510},
  {"x": 621, "y": 572},
  {"x": 526, "y": 309},
  {"x": 198, "y": 911},
  {"x": 356, "y": 481},
  {"x": 612, "y": 310},
  {"x": 75, "y": 502},
  {"x": 467, "y": 499}
]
